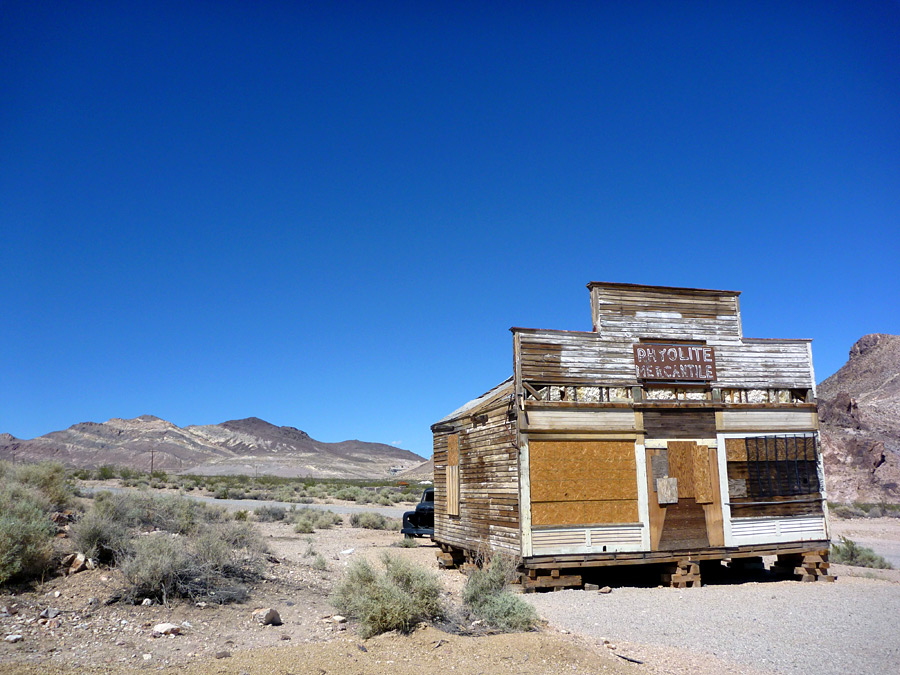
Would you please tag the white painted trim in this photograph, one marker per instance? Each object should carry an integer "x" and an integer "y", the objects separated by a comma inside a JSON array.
[
  {"x": 662, "y": 443},
  {"x": 640, "y": 459},
  {"x": 524, "y": 497},
  {"x": 812, "y": 372}
]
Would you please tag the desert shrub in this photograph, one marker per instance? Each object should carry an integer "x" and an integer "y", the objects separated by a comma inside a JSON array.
[
  {"x": 319, "y": 562},
  {"x": 374, "y": 521},
  {"x": 25, "y": 532},
  {"x": 29, "y": 493},
  {"x": 847, "y": 511},
  {"x": 48, "y": 478},
  {"x": 486, "y": 595},
  {"x": 875, "y": 512},
  {"x": 221, "y": 492},
  {"x": 127, "y": 473},
  {"x": 164, "y": 512},
  {"x": 82, "y": 474},
  {"x": 241, "y": 515},
  {"x": 106, "y": 472},
  {"x": 213, "y": 564},
  {"x": 304, "y": 526},
  {"x": 160, "y": 475},
  {"x": 407, "y": 542},
  {"x": 397, "y": 598},
  {"x": 307, "y": 519},
  {"x": 848, "y": 552},
  {"x": 98, "y": 535},
  {"x": 268, "y": 514}
]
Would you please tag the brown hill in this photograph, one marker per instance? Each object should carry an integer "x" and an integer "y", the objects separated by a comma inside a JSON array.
[
  {"x": 248, "y": 446},
  {"x": 859, "y": 410}
]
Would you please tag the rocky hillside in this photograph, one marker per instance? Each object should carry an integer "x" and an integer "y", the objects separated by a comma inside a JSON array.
[
  {"x": 248, "y": 446},
  {"x": 859, "y": 410}
]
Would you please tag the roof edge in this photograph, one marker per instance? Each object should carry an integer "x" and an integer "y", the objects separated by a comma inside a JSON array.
[{"x": 645, "y": 287}]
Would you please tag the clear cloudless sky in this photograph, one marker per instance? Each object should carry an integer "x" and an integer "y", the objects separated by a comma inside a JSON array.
[{"x": 328, "y": 214}]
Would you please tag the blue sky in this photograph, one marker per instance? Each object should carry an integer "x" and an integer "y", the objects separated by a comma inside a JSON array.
[{"x": 328, "y": 214}]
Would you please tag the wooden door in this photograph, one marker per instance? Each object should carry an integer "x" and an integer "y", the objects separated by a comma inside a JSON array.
[{"x": 685, "y": 513}]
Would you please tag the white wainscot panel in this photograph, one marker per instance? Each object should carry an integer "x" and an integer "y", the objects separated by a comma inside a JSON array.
[
  {"x": 594, "y": 539},
  {"x": 747, "y": 531}
]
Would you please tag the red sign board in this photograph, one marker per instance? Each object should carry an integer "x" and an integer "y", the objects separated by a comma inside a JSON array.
[{"x": 674, "y": 362}]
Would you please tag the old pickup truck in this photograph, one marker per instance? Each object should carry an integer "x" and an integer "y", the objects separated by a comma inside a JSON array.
[{"x": 420, "y": 523}]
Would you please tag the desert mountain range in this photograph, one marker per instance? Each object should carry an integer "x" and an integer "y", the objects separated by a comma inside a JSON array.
[
  {"x": 246, "y": 446},
  {"x": 859, "y": 412}
]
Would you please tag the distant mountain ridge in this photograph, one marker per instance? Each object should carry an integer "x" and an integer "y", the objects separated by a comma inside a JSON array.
[
  {"x": 244, "y": 446},
  {"x": 859, "y": 412}
]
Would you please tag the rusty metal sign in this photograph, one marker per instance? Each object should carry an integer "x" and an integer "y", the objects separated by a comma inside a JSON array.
[{"x": 674, "y": 362}]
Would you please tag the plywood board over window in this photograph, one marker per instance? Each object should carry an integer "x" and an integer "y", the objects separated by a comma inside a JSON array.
[
  {"x": 582, "y": 483},
  {"x": 453, "y": 475}
]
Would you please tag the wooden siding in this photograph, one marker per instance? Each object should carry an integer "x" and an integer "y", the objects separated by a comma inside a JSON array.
[
  {"x": 578, "y": 420},
  {"x": 572, "y": 358},
  {"x": 767, "y": 420},
  {"x": 627, "y": 312},
  {"x": 679, "y": 423},
  {"x": 488, "y": 485}
]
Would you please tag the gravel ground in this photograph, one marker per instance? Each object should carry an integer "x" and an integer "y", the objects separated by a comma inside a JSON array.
[{"x": 777, "y": 627}]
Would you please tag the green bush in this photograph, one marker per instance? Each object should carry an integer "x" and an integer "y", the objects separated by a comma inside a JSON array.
[
  {"x": 319, "y": 562},
  {"x": 373, "y": 521},
  {"x": 848, "y": 552},
  {"x": 486, "y": 595},
  {"x": 127, "y": 473},
  {"x": 397, "y": 598},
  {"x": 241, "y": 515},
  {"x": 106, "y": 472},
  {"x": 407, "y": 542}
]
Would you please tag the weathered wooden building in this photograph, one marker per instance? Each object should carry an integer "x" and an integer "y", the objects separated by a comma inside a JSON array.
[{"x": 662, "y": 436}]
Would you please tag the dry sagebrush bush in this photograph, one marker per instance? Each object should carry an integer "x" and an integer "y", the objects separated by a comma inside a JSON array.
[{"x": 397, "y": 598}]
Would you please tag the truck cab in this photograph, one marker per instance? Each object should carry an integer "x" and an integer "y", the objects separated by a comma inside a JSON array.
[{"x": 420, "y": 523}]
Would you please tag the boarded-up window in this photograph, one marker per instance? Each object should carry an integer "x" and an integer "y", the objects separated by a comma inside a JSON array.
[
  {"x": 453, "y": 475},
  {"x": 582, "y": 482}
]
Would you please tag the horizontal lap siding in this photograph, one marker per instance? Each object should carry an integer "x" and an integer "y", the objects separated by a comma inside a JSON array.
[
  {"x": 628, "y": 314},
  {"x": 573, "y": 358},
  {"x": 488, "y": 486},
  {"x": 563, "y": 357},
  {"x": 764, "y": 365}
]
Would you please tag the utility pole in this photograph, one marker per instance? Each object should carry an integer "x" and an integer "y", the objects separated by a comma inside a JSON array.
[{"x": 152, "y": 452}]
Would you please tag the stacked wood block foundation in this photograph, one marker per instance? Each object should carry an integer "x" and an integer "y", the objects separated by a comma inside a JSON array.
[
  {"x": 450, "y": 557},
  {"x": 533, "y": 580},
  {"x": 683, "y": 574},
  {"x": 810, "y": 566}
]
